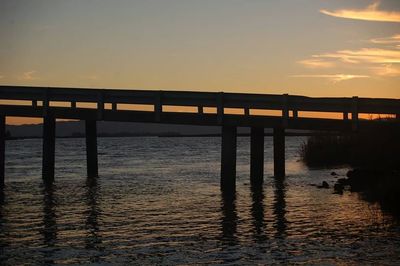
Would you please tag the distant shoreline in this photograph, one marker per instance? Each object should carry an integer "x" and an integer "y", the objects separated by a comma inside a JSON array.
[{"x": 176, "y": 135}]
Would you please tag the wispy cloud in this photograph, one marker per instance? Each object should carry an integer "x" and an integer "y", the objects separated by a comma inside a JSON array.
[
  {"x": 371, "y": 13},
  {"x": 392, "y": 40},
  {"x": 92, "y": 77},
  {"x": 389, "y": 70},
  {"x": 332, "y": 77},
  {"x": 316, "y": 63},
  {"x": 29, "y": 75},
  {"x": 365, "y": 55}
]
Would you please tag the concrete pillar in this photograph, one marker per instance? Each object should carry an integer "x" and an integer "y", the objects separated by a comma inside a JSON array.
[
  {"x": 2, "y": 148},
  {"x": 256, "y": 156},
  {"x": 91, "y": 148},
  {"x": 49, "y": 141},
  {"x": 279, "y": 152},
  {"x": 228, "y": 158}
]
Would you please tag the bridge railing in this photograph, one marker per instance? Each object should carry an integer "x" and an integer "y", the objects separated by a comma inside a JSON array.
[{"x": 285, "y": 103}]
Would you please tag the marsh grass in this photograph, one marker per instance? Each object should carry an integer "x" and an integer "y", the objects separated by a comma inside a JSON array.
[{"x": 375, "y": 157}]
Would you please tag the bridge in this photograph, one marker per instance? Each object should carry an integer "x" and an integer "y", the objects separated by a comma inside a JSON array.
[{"x": 227, "y": 110}]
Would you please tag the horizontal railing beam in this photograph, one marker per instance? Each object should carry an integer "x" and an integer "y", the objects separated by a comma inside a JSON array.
[{"x": 201, "y": 99}]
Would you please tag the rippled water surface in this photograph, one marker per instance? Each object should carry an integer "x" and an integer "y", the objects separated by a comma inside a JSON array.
[{"x": 158, "y": 201}]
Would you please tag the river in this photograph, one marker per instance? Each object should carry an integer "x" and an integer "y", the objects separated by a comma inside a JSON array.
[{"x": 158, "y": 201}]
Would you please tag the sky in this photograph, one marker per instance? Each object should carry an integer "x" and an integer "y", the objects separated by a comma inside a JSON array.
[{"x": 302, "y": 47}]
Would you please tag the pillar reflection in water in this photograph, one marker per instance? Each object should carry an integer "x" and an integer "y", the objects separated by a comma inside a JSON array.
[
  {"x": 3, "y": 243},
  {"x": 229, "y": 218},
  {"x": 280, "y": 207},
  {"x": 49, "y": 231},
  {"x": 93, "y": 239},
  {"x": 257, "y": 212}
]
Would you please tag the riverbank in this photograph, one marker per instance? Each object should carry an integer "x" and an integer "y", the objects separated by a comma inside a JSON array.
[{"x": 373, "y": 156}]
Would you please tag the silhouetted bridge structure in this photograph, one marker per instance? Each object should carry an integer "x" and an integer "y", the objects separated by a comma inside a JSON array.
[{"x": 228, "y": 110}]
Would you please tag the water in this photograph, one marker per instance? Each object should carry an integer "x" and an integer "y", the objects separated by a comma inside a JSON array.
[{"x": 158, "y": 201}]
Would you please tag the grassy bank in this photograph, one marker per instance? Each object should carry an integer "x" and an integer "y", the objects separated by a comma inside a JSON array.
[
  {"x": 377, "y": 149},
  {"x": 374, "y": 156}
]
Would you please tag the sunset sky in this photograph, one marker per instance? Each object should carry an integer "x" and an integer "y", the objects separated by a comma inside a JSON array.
[{"x": 307, "y": 47}]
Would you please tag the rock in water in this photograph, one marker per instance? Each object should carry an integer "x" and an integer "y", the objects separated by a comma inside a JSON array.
[{"x": 324, "y": 185}]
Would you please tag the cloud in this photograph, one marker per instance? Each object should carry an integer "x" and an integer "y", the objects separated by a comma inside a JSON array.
[
  {"x": 391, "y": 41},
  {"x": 389, "y": 70},
  {"x": 316, "y": 63},
  {"x": 332, "y": 77},
  {"x": 29, "y": 75},
  {"x": 92, "y": 77},
  {"x": 370, "y": 13},
  {"x": 365, "y": 55}
]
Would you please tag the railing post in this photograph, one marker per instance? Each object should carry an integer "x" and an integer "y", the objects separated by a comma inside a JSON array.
[
  {"x": 354, "y": 113},
  {"x": 228, "y": 158},
  {"x": 285, "y": 110},
  {"x": 2, "y": 149},
  {"x": 46, "y": 102},
  {"x": 256, "y": 156},
  {"x": 91, "y": 148},
  {"x": 49, "y": 135},
  {"x": 200, "y": 109},
  {"x": 158, "y": 106},
  {"x": 295, "y": 114},
  {"x": 345, "y": 116},
  {"x": 100, "y": 106},
  {"x": 114, "y": 106},
  {"x": 246, "y": 111},
  {"x": 220, "y": 107},
  {"x": 279, "y": 152},
  {"x": 73, "y": 104}
]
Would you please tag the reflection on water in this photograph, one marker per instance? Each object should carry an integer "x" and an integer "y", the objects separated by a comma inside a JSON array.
[
  {"x": 155, "y": 205},
  {"x": 257, "y": 213},
  {"x": 229, "y": 218},
  {"x": 49, "y": 230},
  {"x": 93, "y": 235},
  {"x": 280, "y": 208}
]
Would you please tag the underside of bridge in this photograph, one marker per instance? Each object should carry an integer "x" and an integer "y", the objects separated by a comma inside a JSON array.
[{"x": 228, "y": 153}]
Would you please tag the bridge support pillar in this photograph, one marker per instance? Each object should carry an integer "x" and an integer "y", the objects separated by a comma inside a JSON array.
[
  {"x": 279, "y": 152},
  {"x": 2, "y": 148},
  {"x": 91, "y": 148},
  {"x": 256, "y": 156},
  {"x": 228, "y": 158},
  {"x": 49, "y": 141}
]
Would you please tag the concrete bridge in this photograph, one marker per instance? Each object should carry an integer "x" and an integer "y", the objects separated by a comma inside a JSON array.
[{"x": 228, "y": 110}]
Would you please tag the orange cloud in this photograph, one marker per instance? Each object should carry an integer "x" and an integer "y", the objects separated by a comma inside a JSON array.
[
  {"x": 316, "y": 63},
  {"x": 365, "y": 55},
  {"x": 370, "y": 13},
  {"x": 390, "y": 41},
  {"x": 333, "y": 77},
  {"x": 389, "y": 70},
  {"x": 29, "y": 75}
]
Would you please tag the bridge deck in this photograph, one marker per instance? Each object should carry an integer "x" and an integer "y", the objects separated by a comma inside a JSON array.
[{"x": 39, "y": 101}]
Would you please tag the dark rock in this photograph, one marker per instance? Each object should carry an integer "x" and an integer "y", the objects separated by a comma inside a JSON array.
[
  {"x": 324, "y": 185},
  {"x": 334, "y": 174},
  {"x": 338, "y": 188}
]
